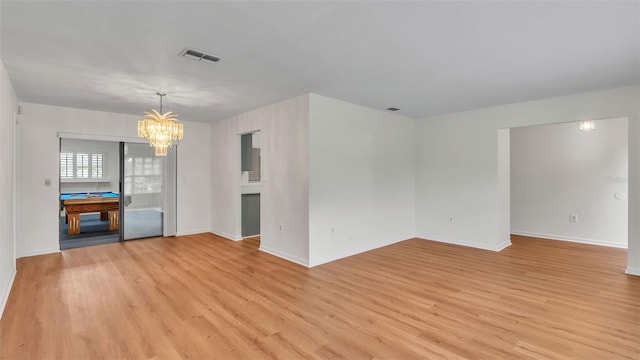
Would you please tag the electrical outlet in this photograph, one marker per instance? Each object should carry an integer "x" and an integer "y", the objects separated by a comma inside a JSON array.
[
  {"x": 451, "y": 219},
  {"x": 281, "y": 228},
  {"x": 333, "y": 230},
  {"x": 573, "y": 218}
]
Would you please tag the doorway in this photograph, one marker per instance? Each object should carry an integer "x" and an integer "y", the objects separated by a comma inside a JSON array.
[
  {"x": 89, "y": 181},
  {"x": 570, "y": 185},
  {"x": 251, "y": 168},
  {"x": 114, "y": 191}
]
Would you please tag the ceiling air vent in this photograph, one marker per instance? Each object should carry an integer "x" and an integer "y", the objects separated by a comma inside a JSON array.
[
  {"x": 392, "y": 109},
  {"x": 199, "y": 55}
]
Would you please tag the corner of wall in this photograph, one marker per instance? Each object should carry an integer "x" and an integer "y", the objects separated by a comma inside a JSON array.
[
  {"x": 491, "y": 247},
  {"x": 632, "y": 271},
  {"x": 283, "y": 255},
  {"x": 8, "y": 128},
  {"x": 6, "y": 291}
]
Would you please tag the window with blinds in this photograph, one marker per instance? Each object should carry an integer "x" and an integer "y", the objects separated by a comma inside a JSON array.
[
  {"x": 81, "y": 166},
  {"x": 96, "y": 168},
  {"x": 66, "y": 165}
]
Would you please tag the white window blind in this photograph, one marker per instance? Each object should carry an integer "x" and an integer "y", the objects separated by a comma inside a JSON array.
[
  {"x": 81, "y": 166},
  {"x": 66, "y": 165},
  {"x": 96, "y": 166}
]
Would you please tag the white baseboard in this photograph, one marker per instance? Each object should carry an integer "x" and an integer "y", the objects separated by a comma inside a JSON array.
[
  {"x": 226, "y": 235},
  {"x": 285, "y": 256},
  {"x": 632, "y": 271},
  {"x": 502, "y": 246},
  {"x": 6, "y": 291},
  {"x": 38, "y": 252},
  {"x": 569, "y": 238},
  {"x": 353, "y": 251},
  {"x": 191, "y": 232},
  {"x": 496, "y": 248}
]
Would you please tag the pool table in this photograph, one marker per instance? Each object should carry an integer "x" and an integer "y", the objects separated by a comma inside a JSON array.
[{"x": 106, "y": 203}]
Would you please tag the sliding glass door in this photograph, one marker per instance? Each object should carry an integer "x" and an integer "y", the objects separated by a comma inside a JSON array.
[
  {"x": 143, "y": 192},
  {"x": 113, "y": 191}
]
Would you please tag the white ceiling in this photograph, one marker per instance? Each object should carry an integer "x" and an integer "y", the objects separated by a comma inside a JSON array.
[{"x": 425, "y": 58}]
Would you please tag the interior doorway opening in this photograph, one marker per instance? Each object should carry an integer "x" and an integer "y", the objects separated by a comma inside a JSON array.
[
  {"x": 89, "y": 192},
  {"x": 251, "y": 180},
  {"x": 114, "y": 191},
  {"x": 566, "y": 184}
]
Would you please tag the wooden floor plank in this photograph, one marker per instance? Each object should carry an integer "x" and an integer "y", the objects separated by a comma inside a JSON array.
[{"x": 204, "y": 297}]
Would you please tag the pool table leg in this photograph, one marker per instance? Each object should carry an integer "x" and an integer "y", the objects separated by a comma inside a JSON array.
[
  {"x": 104, "y": 216},
  {"x": 114, "y": 220},
  {"x": 74, "y": 223}
]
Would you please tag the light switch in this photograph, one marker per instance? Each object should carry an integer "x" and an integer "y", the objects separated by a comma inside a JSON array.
[{"x": 47, "y": 182}]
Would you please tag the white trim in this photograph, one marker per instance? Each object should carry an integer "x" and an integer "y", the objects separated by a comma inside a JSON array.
[
  {"x": 632, "y": 271},
  {"x": 7, "y": 291},
  {"x": 569, "y": 238},
  {"x": 190, "y": 232},
  {"x": 250, "y": 236},
  {"x": 285, "y": 256},
  {"x": 115, "y": 138},
  {"x": 83, "y": 181},
  {"x": 170, "y": 194},
  {"x": 15, "y": 184},
  {"x": 354, "y": 251},
  {"x": 39, "y": 252},
  {"x": 497, "y": 248},
  {"x": 226, "y": 236}
]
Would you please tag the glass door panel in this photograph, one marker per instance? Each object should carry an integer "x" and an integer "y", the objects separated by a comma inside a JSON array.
[{"x": 142, "y": 192}]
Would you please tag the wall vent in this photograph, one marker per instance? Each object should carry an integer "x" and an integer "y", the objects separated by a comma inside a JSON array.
[
  {"x": 392, "y": 109},
  {"x": 199, "y": 55}
]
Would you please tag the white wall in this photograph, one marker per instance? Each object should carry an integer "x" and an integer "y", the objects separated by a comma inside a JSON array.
[
  {"x": 194, "y": 179},
  {"x": 362, "y": 179},
  {"x": 284, "y": 189},
  {"x": 457, "y": 165},
  {"x": 37, "y": 156},
  {"x": 557, "y": 170},
  {"x": 8, "y": 109},
  {"x": 111, "y": 164}
]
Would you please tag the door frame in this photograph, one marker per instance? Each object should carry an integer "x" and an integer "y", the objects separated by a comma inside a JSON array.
[{"x": 170, "y": 178}]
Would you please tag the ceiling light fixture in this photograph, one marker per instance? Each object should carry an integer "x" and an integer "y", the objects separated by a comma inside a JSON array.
[
  {"x": 160, "y": 129},
  {"x": 587, "y": 125}
]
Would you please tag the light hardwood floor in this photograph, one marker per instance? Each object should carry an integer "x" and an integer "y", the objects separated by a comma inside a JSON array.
[{"x": 203, "y": 297}]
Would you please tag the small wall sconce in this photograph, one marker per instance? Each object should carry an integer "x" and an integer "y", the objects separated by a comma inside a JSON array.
[{"x": 587, "y": 125}]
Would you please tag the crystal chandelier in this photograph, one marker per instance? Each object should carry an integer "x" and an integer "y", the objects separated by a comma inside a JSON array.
[{"x": 160, "y": 129}]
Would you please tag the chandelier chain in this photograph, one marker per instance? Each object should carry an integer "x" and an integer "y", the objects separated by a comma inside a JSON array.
[{"x": 161, "y": 94}]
